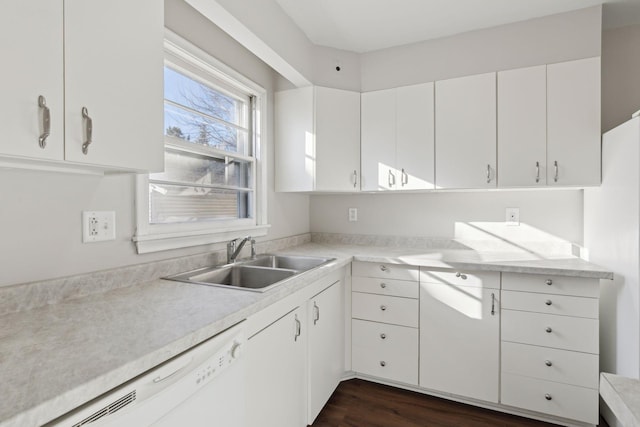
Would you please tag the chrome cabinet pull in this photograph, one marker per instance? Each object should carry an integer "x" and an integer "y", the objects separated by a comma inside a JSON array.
[
  {"x": 462, "y": 276},
  {"x": 298, "y": 328},
  {"x": 548, "y": 362},
  {"x": 548, "y": 302},
  {"x": 316, "y": 309},
  {"x": 547, "y": 396},
  {"x": 548, "y": 282},
  {"x": 537, "y": 172},
  {"x": 383, "y": 268},
  {"x": 46, "y": 121},
  {"x": 488, "y": 174},
  {"x": 493, "y": 304},
  {"x": 383, "y": 307},
  {"x": 383, "y": 363},
  {"x": 88, "y": 128},
  {"x": 549, "y": 330},
  {"x": 383, "y": 336},
  {"x": 404, "y": 178},
  {"x": 355, "y": 178},
  {"x": 383, "y": 285},
  {"x": 391, "y": 179},
  {"x": 555, "y": 165}
]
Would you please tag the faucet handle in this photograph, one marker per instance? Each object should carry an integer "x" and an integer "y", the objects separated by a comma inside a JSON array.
[{"x": 253, "y": 248}]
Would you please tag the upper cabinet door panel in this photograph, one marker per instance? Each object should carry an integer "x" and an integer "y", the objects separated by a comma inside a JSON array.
[
  {"x": 337, "y": 140},
  {"x": 573, "y": 144},
  {"x": 522, "y": 127},
  {"x": 466, "y": 132},
  {"x": 415, "y": 136},
  {"x": 378, "y": 140},
  {"x": 114, "y": 69},
  {"x": 32, "y": 48}
]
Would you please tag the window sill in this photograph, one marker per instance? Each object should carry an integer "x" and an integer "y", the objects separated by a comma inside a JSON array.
[{"x": 162, "y": 242}]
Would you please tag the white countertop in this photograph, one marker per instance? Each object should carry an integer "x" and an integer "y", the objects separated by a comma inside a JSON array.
[
  {"x": 622, "y": 395},
  {"x": 55, "y": 358}
]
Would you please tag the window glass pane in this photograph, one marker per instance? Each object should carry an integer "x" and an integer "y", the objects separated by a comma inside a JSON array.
[
  {"x": 172, "y": 204},
  {"x": 199, "y": 169},
  {"x": 190, "y": 93},
  {"x": 194, "y": 128}
]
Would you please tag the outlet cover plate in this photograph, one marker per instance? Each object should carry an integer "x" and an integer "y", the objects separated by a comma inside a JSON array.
[
  {"x": 98, "y": 226},
  {"x": 512, "y": 216},
  {"x": 353, "y": 214}
]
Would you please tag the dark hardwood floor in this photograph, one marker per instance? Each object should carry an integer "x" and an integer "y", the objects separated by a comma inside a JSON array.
[{"x": 359, "y": 403}]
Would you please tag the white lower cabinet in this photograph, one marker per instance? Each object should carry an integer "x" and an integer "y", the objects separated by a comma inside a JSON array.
[
  {"x": 326, "y": 346},
  {"x": 460, "y": 334},
  {"x": 276, "y": 380}
]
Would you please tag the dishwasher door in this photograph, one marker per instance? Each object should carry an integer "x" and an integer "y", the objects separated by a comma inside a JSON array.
[{"x": 203, "y": 386}]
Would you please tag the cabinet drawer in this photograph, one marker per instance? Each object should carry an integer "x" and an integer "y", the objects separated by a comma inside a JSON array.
[
  {"x": 560, "y": 285},
  {"x": 397, "y": 351},
  {"x": 568, "y": 333},
  {"x": 398, "y": 288},
  {"x": 568, "y": 401},
  {"x": 385, "y": 271},
  {"x": 474, "y": 279},
  {"x": 386, "y": 309},
  {"x": 563, "y": 366},
  {"x": 551, "y": 304}
]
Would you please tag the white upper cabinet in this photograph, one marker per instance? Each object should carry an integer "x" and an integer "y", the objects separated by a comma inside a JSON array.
[
  {"x": 114, "y": 70},
  {"x": 31, "y": 45},
  {"x": 522, "y": 127},
  {"x": 317, "y": 133},
  {"x": 106, "y": 57},
  {"x": 573, "y": 134},
  {"x": 398, "y": 138},
  {"x": 466, "y": 132}
]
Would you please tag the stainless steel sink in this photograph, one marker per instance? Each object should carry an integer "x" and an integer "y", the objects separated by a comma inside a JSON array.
[{"x": 258, "y": 275}]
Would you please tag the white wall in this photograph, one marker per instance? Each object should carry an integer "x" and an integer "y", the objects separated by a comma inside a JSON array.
[{"x": 40, "y": 213}]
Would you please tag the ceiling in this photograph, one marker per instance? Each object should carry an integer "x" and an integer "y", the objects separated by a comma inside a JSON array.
[{"x": 366, "y": 25}]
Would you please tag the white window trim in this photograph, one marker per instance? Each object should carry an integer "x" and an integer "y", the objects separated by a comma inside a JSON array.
[{"x": 160, "y": 237}]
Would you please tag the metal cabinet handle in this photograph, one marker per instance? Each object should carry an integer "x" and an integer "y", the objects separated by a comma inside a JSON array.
[
  {"x": 355, "y": 178},
  {"x": 298, "y": 328},
  {"x": 548, "y": 302},
  {"x": 548, "y": 282},
  {"x": 555, "y": 165},
  {"x": 383, "y": 336},
  {"x": 549, "y": 330},
  {"x": 548, "y": 362},
  {"x": 383, "y": 285},
  {"x": 488, "y": 174},
  {"x": 391, "y": 179},
  {"x": 404, "y": 178},
  {"x": 493, "y": 304},
  {"x": 383, "y": 363},
  {"x": 383, "y": 307},
  {"x": 316, "y": 316},
  {"x": 46, "y": 121},
  {"x": 462, "y": 276},
  {"x": 548, "y": 396},
  {"x": 537, "y": 171},
  {"x": 383, "y": 268},
  {"x": 88, "y": 128}
]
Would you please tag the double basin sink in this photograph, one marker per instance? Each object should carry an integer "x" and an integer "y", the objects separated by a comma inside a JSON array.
[{"x": 258, "y": 274}]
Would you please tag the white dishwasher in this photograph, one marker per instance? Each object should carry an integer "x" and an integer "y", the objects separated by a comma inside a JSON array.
[{"x": 203, "y": 386}]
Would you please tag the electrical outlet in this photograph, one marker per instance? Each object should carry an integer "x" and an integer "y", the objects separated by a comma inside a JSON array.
[
  {"x": 353, "y": 214},
  {"x": 98, "y": 226},
  {"x": 512, "y": 216}
]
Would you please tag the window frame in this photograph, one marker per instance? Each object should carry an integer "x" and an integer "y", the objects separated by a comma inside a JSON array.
[{"x": 158, "y": 237}]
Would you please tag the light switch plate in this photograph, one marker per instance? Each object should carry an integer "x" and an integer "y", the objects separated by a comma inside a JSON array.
[
  {"x": 512, "y": 216},
  {"x": 98, "y": 226}
]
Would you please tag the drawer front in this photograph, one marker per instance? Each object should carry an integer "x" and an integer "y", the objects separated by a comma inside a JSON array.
[
  {"x": 568, "y": 333},
  {"x": 386, "y": 309},
  {"x": 563, "y": 366},
  {"x": 398, "y": 288},
  {"x": 560, "y": 285},
  {"x": 561, "y": 305},
  {"x": 385, "y": 351},
  {"x": 476, "y": 279},
  {"x": 385, "y": 271},
  {"x": 567, "y": 401}
]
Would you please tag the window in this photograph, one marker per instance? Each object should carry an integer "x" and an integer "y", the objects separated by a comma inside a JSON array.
[{"x": 212, "y": 186}]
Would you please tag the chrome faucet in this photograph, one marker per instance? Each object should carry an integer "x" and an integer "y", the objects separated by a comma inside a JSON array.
[{"x": 233, "y": 251}]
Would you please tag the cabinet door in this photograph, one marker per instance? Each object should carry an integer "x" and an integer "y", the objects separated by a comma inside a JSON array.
[
  {"x": 337, "y": 125},
  {"x": 378, "y": 141},
  {"x": 276, "y": 380},
  {"x": 113, "y": 67},
  {"x": 573, "y": 145},
  {"x": 326, "y": 346},
  {"x": 415, "y": 137},
  {"x": 459, "y": 340},
  {"x": 31, "y": 45},
  {"x": 522, "y": 127},
  {"x": 466, "y": 132}
]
